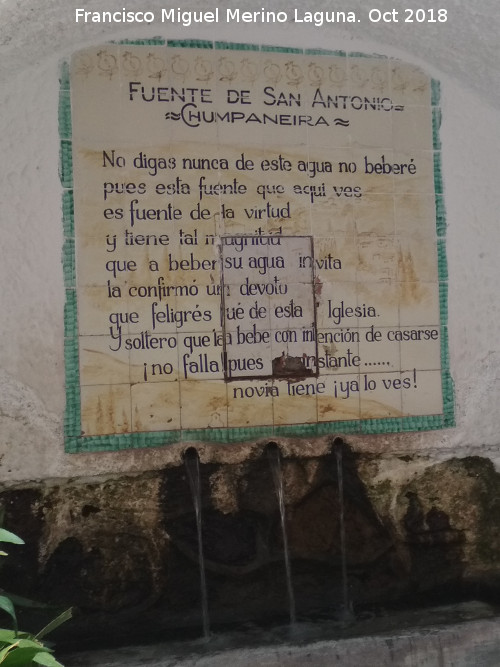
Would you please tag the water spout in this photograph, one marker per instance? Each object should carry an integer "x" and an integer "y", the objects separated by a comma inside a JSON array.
[
  {"x": 347, "y": 615},
  {"x": 274, "y": 456},
  {"x": 192, "y": 465}
]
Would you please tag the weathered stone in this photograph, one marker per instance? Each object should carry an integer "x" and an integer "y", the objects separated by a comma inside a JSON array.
[{"x": 116, "y": 547}]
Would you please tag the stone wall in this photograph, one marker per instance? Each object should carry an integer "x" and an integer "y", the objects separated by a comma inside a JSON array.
[{"x": 124, "y": 550}]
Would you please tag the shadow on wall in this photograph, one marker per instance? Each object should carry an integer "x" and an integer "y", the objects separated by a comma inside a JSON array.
[{"x": 125, "y": 551}]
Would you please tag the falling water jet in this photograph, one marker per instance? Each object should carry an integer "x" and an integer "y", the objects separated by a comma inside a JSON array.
[
  {"x": 192, "y": 465},
  {"x": 347, "y": 614},
  {"x": 274, "y": 456}
]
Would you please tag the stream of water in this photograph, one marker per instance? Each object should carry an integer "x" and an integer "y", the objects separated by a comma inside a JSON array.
[
  {"x": 346, "y": 605},
  {"x": 274, "y": 456},
  {"x": 192, "y": 464}
]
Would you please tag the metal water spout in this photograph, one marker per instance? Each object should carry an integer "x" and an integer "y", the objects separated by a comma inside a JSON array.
[
  {"x": 337, "y": 448},
  {"x": 192, "y": 465},
  {"x": 274, "y": 457}
]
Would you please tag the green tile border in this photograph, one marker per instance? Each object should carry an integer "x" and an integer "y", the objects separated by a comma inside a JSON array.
[
  {"x": 440, "y": 215},
  {"x": 269, "y": 48},
  {"x": 190, "y": 43},
  {"x": 153, "y": 41},
  {"x": 64, "y": 114},
  {"x": 436, "y": 125},
  {"x": 435, "y": 93},
  {"x": 324, "y": 52},
  {"x": 448, "y": 391},
  {"x": 69, "y": 268},
  {"x": 68, "y": 214},
  {"x": 75, "y": 442},
  {"x": 359, "y": 54},
  {"x": 64, "y": 76},
  {"x": 66, "y": 156},
  {"x": 230, "y": 46}
]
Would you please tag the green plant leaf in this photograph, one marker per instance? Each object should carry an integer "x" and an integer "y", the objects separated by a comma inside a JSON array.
[
  {"x": 7, "y": 637},
  {"x": 4, "y": 653},
  {"x": 21, "y": 653},
  {"x": 46, "y": 659},
  {"x": 6, "y": 605},
  {"x": 20, "y": 601},
  {"x": 18, "y": 657},
  {"x": 62, "y": 618},
  {"x": 21, "y": 649},
  {"x": 7, "y": 536}
]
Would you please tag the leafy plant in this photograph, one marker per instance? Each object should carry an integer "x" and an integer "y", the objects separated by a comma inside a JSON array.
[{"x": 22, "y": 649}]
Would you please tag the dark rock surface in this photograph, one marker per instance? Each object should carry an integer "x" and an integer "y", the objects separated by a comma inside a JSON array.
[{"x": 124, "y": 551}]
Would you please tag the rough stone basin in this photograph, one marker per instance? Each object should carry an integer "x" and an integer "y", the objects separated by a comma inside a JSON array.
[
  {"x": 123, "y": 551},
  {"x": 462, "y": 635}
]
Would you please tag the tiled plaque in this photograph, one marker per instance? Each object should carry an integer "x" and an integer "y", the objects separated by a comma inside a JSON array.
[{"x": 254, "y": 245}]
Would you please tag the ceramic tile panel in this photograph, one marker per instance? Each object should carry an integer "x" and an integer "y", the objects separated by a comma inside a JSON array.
[
  {"x": 381, "y": 394},
  {"x": 203, "y": 402},
  {"x": 338, "y": 351},
  {"x": 339, "y": 400},
  {"x": 106, "y": 409},
  {"x": 251, "y": 242},
  {"x": 104, "y": 357},
  {"x": 379, "y": 350},
  {"x": 155, "y": 407},
  {"x": 297, "y": 403},
  {"x": 93, "y": 311},
  {"x": 250, "y": 403},
  {"x": 162, "y": 353},
  {"x": 269, "y": 299}
]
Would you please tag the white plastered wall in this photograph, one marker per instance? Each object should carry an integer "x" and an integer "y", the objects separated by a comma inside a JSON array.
[{"x": 35, "y": 37}]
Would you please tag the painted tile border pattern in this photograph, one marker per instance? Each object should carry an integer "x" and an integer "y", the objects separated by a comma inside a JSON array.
[{"x": 76, "y": 443}]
